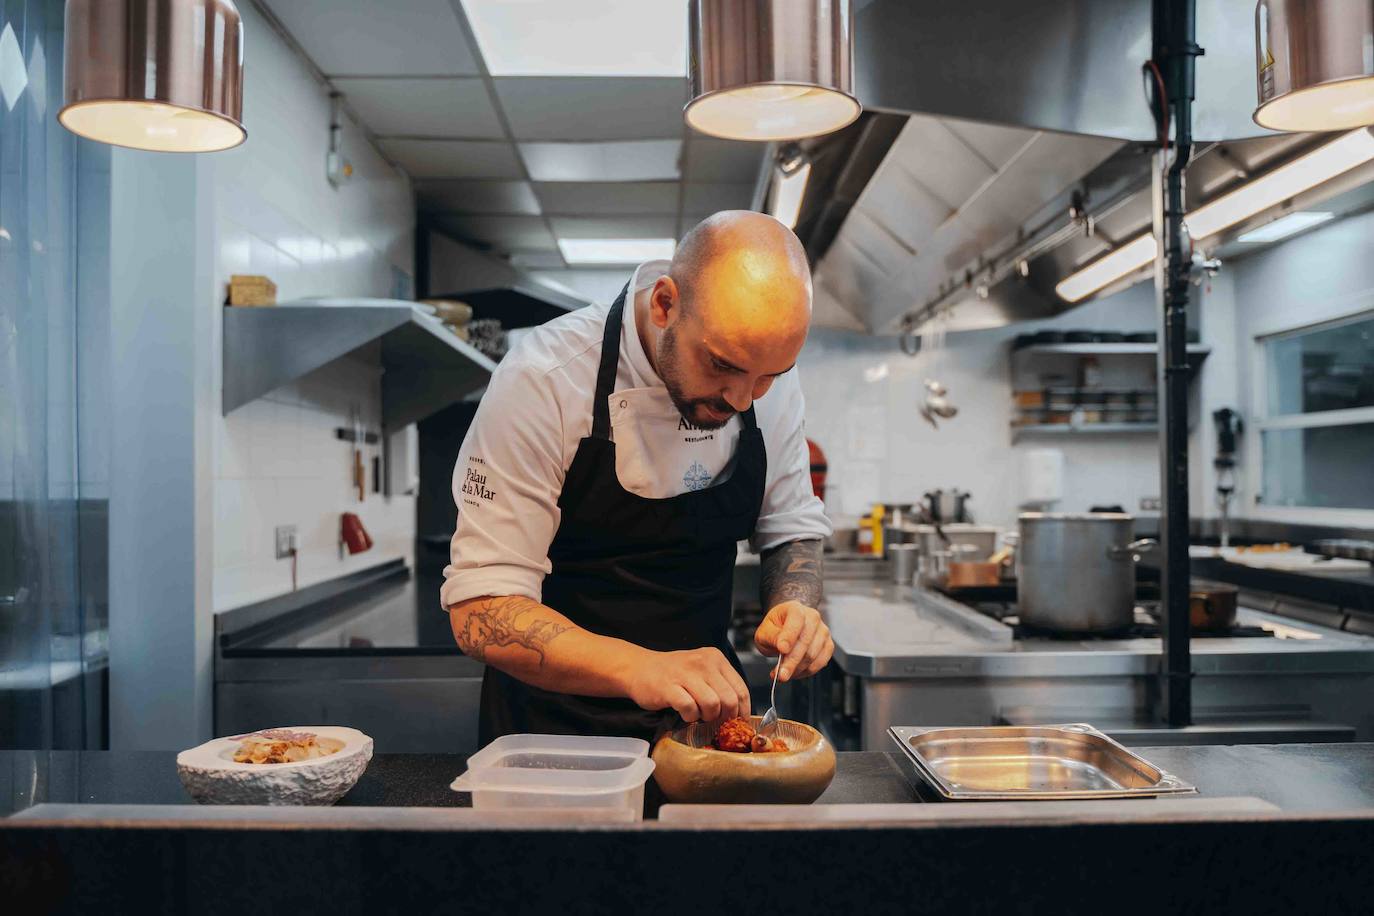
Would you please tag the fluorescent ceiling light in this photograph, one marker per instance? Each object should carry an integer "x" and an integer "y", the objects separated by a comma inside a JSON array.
[
  {"x": 1285, "y": 226},
  {"x": 1107, "y": 269},
  {"x": 1322, "y": 164},
  {"x": 615, "y": 251},
  {"x": 787, "y": 193},
  {"x": 583, "y": 38},
  {"x": 630, "y": 160}
]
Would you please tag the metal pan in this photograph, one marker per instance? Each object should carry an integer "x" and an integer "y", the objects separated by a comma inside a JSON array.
[{"x": 1046, "y": 762}]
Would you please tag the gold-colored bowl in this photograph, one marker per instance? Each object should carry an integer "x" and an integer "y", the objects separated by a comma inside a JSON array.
[{"x": 690, "y": 771}]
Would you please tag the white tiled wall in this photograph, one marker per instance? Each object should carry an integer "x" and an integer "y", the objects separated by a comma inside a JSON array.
[
  {"x": 277, "y": 461},
  {"x": 851, "y": 379}
]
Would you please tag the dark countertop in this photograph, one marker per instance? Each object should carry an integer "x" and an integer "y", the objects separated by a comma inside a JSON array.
[
  {"x": 391, "y": 780},
  {"x": 1312, "y": 857},
  {"x": 1295, "y": 777}
]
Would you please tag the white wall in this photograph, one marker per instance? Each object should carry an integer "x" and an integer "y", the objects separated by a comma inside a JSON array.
[
  {"x": 856, "y": 380},
  {"x": 277, "y": 461}
]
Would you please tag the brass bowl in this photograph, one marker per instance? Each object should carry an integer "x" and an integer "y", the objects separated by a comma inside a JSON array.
[{"x": 690, "y": 771}]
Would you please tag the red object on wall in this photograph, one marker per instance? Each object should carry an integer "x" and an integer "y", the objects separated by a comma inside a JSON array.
[
  {"x": 818, "y": 469},
  {"x": 353, "y": 534}
]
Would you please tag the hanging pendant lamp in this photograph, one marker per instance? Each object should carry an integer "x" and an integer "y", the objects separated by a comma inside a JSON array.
[
  {"x": 770, "y": 69},
  {"x": 1316, "y": 64},
  {"x": 162, "y": 75}
]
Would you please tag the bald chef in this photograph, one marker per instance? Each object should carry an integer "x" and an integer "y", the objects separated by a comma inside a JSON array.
[{"x": 618, "y": 455}]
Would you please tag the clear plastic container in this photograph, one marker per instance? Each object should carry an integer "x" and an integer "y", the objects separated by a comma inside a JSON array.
[{"x": 558, "y": 771}]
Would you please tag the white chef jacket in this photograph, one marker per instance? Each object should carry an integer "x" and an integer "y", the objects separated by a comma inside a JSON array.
[{"x": 538, "y": 408}]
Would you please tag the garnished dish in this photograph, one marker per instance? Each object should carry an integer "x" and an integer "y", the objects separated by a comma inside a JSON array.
[
  {"x": 737, "y": 736},
  {"x": 281, "y": 745}
]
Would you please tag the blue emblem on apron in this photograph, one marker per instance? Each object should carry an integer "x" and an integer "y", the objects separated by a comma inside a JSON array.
[{"x": 696, "y": 477}]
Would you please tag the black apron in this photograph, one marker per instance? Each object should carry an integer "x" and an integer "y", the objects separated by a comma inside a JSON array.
[{"x": 655, "y": 572}]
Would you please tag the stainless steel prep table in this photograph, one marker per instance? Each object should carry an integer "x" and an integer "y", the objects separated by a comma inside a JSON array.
[{"x": 912, "y": 656}]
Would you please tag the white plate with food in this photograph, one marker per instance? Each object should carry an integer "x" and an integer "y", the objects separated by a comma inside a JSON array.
[{"x": 291, "y": 765}]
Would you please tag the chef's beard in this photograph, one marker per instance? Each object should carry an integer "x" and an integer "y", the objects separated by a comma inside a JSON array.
[{"x": 693, "y": 410}]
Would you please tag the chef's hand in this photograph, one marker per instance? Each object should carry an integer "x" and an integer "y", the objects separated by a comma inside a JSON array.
[
  {"x": 700, "y": 684},
  {"x": 797, "y": 633}
]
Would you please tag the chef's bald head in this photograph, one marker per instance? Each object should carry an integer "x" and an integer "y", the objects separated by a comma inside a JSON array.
[
  {"x": 733, "y": 313},
  {"x": 746, "y": 268}
]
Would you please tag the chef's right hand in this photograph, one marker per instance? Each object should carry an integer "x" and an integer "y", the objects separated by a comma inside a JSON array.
[{"x": 700, "y": 684}]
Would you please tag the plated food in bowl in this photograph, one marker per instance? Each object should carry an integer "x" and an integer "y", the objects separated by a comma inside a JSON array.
[
  {"x": 295, "y": 765},
  {"x": 690, "y": 765}
]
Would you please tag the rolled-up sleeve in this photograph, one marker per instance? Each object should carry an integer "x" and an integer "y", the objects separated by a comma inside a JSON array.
[
  {"x": 505, "y": 485},
  {"x": 790, "y": 511}
]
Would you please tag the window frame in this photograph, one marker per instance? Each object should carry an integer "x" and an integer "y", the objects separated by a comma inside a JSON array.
[{"x": 1262, "y": 421}]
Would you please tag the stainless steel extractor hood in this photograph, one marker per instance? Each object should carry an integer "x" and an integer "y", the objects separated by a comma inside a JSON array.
[
  {"x": 1071, "y": 66},
  {"x": 494, "y": 288}
]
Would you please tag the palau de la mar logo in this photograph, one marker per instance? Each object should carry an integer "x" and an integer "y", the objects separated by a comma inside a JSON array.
[
  {"x": 475, "y": 483},
  {"x": 697, "y": 477}
]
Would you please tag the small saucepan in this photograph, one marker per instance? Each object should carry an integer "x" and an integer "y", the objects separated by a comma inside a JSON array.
[{"x": 1212, "y": 608}]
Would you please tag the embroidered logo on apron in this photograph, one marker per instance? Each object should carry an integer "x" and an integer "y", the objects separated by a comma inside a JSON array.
[{"x": 696, "y": 477}]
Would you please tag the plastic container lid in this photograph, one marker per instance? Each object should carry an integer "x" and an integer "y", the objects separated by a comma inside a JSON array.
[{"x": 558, "y": 765}]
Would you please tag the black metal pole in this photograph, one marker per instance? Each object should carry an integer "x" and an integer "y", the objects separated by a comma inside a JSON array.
[{"x": 1175, "y": 52}]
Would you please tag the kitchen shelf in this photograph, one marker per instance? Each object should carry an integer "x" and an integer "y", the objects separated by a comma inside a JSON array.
[
  {"x": 1087, "y": 429},
  {"x": 425, "y": 367},
  {"x": 1108, "y": 349}
]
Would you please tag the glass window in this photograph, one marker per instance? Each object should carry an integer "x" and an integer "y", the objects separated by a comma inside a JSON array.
[
  {"x": 1331, "y": 368},
  {"x": 1317, "y": 434},
  {"x": 1328, "y": 466}
]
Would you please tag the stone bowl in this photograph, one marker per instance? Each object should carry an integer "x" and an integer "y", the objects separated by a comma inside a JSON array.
[
  {"x": 690, "y": 771},
  {"x": 211, "y": 776}
]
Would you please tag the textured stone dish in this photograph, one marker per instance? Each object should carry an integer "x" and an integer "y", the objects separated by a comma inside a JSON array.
[
  {"x": 690, "y": 771},
  {"x": 212, "y": 777}
]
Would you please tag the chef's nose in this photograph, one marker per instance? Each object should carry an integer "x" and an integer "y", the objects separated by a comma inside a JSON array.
[{"x": 739, "y": 397}]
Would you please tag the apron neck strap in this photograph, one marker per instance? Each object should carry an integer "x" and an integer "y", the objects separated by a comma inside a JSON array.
[{"x": 610, "y": 361}]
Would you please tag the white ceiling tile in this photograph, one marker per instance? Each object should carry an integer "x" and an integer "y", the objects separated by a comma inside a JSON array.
[
  {"x": 614, "y": 227},
  {"x": 423, "y": 107},
  {"x": 593, "y": 108},
  {"x": 365, "y": 38},
  {"x": 504, "y": 232},
  {"x": 723, "y": 160},
  {"x": 590, "y": 37},
  {"x": 710, "y": 198},
  {"x": 454, "y": 158},
  {"x": 514, "y": 197},
  {"x": 591, "y": 198},
  {"x": 639, "y": 160}
]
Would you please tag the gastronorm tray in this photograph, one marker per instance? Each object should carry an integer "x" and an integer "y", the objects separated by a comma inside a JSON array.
[{"x": 1029, "y": 763}]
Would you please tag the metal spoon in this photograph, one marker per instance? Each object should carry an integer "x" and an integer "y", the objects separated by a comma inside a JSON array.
[{"x": 769, "y": 723}]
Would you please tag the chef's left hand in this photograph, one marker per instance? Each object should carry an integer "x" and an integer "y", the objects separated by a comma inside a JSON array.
[{"x": 797, "y": 633}]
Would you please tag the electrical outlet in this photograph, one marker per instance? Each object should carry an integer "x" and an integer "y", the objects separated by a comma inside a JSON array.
[
  {"x": 286, "y": 540},
  {"x": 1149, "y": 504}
]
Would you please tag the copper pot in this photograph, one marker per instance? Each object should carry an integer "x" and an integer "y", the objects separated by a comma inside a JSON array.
[{"x": 1212, "y": 608}]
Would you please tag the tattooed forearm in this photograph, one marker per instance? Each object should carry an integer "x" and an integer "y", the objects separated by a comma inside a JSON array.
[
  {"x": 504, "y": 622},
  {"x": 791, "y": 572}
]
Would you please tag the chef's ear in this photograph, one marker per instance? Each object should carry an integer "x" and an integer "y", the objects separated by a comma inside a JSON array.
[{"x": 664, "y": 302}]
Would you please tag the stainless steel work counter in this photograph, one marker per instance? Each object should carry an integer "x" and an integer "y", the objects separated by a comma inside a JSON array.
[
  {"x": 915, "y": 656},
  {"x": 882, "y": 630}
]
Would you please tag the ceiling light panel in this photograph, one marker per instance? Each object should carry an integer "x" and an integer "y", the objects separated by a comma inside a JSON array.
[
  {"x": 615, "y": 251},
  {"x": 1285, "y": 226},
  {"x": 586, "y": 38},
  {"x": 635, "y": 160}
]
